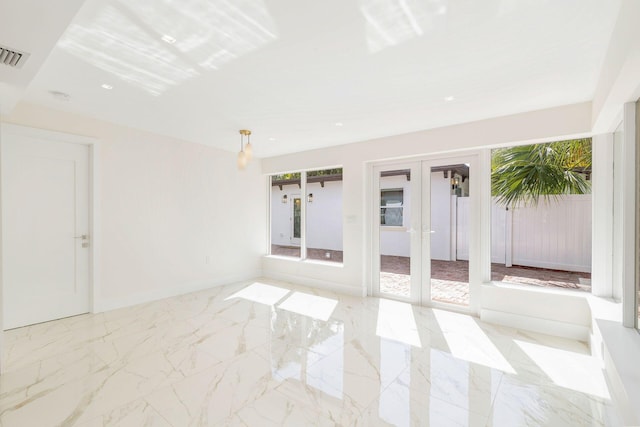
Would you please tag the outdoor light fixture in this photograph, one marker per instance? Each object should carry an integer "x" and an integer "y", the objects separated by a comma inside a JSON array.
[
  {"x": 284, "y": 199},
  {"x": 310, "y": 198},
  {"x": 246, "y": 151}
]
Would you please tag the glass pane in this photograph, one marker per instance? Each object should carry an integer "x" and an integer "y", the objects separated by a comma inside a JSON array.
[
  {"x": 324, "y": 215},
  {"x": 391, "y": 207},
  {"x": 395, "y": 242},
  {"x": 449, "y": 230},
  {"x": 285, "y": 235},
  {"x": 541, "y": 227},
  {"x": 296, "y": 217}
]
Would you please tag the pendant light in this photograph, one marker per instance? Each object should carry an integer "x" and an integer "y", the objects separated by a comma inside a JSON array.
[{"x": 246, "y": 152}]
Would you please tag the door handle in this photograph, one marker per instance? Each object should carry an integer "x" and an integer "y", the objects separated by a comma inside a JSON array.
[{"x": 85, "y": 240}]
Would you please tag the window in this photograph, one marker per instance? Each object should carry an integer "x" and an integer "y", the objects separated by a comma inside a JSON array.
[
  {"x": 541, "y": 215},
  {"x": 391, "y": 207},
  {"x": 286, "y": 215},
  {"x": 306, "y": 215}
]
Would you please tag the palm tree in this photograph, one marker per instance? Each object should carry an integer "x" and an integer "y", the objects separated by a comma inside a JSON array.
[{"x": 523, "y": 174}]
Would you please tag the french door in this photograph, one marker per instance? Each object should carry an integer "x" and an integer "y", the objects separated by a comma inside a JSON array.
[{"x": 423, "y": 226}]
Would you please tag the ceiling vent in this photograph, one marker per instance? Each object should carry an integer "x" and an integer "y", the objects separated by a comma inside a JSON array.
[{"x": 12, "y": 57}]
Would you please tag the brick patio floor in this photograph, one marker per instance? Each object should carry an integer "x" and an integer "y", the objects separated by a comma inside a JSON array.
[{"x": 449, "y": 279}]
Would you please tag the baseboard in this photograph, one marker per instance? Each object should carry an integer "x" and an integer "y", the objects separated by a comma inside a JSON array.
[
  {"x": 534, "y": 324},
  {"x": 158, "y": 294},
  {"x": 315, "y": 283}
]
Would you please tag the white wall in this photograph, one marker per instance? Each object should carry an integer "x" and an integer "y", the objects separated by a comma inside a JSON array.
[{"x": 174, "y": 216}]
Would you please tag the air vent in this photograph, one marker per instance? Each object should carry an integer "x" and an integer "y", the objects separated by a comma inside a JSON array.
[{"x": 12, "y": 57}]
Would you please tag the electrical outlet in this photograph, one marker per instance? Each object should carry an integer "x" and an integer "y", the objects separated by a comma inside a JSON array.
[{"x": 327, "y": 255}]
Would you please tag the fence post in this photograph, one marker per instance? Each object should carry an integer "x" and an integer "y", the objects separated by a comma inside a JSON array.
[{"x": 508, "y": 238}]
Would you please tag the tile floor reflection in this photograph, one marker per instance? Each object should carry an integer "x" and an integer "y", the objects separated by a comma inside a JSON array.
[{"x": 244, "y": 354}]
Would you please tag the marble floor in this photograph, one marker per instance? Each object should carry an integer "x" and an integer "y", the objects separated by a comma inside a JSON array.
[{"x": 268, "y": 354}]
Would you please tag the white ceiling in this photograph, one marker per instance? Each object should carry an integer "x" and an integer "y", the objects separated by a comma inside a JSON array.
[{"x": 289, "y": 70}]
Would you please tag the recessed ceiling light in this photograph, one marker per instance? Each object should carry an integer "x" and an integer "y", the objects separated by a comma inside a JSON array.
[
  {"x": 106, "y": 86},
  {"x": 449, "y": 98},
  {"x": 272, "y": 139},
  {"x": 339, "y": 124},
  {"x": 167, "y": 38},
  {"x": 60, "y": 96}
]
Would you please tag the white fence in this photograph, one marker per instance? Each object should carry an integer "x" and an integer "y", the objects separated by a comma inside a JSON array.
[{"x": 553, "y": 235}]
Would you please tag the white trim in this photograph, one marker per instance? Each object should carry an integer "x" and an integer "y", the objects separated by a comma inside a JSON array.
[
  {"x": 484, "y": 176},
  {"x": 50, "y": 135},
  {"x": 628, "y": 215},
  {"x": 368, "y": 222},
  {"x": 602, "y": 216},
  {"x": 185, "y": 288},
  {"x": 2, "y": 352},
  {"x": 303, "y": 215},
  {"x": 535, "y": 324},
  {"x": 95, "y": 221}
]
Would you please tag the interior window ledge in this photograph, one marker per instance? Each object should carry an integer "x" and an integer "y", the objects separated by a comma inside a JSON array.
[
  {"x": 619, "y": 348},
  {"x": 306, "y": 261},
  {"x": 541, "y": 289}
]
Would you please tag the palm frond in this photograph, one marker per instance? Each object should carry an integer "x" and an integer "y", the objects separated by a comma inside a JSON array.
[{"x": 527, "y": 173}]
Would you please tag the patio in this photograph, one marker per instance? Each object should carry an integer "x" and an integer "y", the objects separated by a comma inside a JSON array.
[{"x": 450, "y": 278}]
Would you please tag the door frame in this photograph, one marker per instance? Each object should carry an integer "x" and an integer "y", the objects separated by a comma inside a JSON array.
[
  {"x": 8, "y": 130},
  {"x": 477, "y": 160}
]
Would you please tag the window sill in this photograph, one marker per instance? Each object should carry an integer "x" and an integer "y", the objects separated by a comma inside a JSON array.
[
  {"x": 306, "y": 261},
  {"x": 538, "y": 289}
]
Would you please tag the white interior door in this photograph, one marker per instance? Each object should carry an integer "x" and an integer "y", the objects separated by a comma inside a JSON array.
[{"x": 45, "y": 207}]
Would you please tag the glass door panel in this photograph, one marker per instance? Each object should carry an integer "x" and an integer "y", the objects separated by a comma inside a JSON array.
[
  {"x": 396, "y": 241},
  {"x": 448, "y": 233}
]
